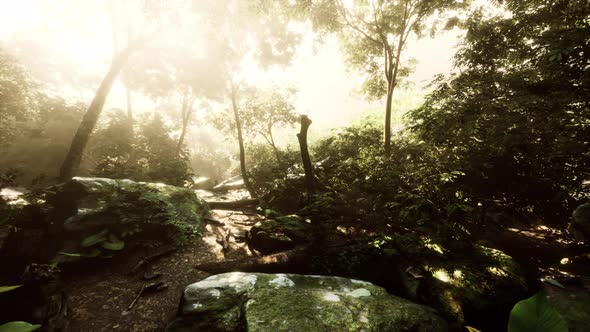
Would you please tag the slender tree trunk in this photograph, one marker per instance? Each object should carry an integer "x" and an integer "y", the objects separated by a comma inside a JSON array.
[
  {"x": 392, "y": 81},
  {"x": 307, "y": 166},
  {"x": 274, "y": 147},
  {"x": 74, "y": 156},
  {"x": 241, "y": 143},
  {"x": 388, "y": 105},
  {"x": 187, "y": 110},
  {"x": 182, "y": 135},
  {"x": 387, "y": 130},
  {"x": 129, "y": 106}
]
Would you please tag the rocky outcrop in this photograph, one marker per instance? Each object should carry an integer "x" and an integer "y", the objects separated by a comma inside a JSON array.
[
  {"x": 253, "y": 302},
  {"x": 88, "y": 217},
  {"x": 472, "y": 284},
  {"x": 279, "y": 234},
  {"x": 580, "y": 225},
  {"x": 102, "y": 213},
  {"x": 572, "y": 303}
]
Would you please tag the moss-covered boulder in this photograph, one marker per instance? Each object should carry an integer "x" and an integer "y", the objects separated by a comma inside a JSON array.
[
  {"x": 278, "y": 234},
  {"x": 572, "y": 303},
  {"x": 99, "y": 215},
  {"x": 287, "y": 302},
  {"x": 580, "y": 225},
  {"x": 473, "y": 284}
]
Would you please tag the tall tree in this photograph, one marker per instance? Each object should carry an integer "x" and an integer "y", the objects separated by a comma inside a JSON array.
[
  {"x": 17, "y": 94},
  {"x": 80, "y": 140},
  {"x": 254, "y": 31},
  {"x": 375, "y": 33},
  {"x": 153, "y": 14},
  {"x": 515, "y": 118},
  {"x": 266, "y": 109},
  {"x": 238, "y": 125}
]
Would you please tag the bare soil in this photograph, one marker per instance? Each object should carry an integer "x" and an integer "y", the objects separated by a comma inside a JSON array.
[{"x": 98, "y": 295}]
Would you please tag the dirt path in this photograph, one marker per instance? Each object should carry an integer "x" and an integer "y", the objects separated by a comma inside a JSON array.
[{"x": 99, "y": 294}]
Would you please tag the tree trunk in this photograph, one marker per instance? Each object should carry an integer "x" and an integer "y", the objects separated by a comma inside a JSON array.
[
  {"x": 247, "y": 183},
  {"x": 129, "y": 106},
  {"x": 232, "y": 205},
  {"x": 307, "y": 166},
  {"x": 187, "y": 110},
  {"x": 181, "y": 138},
  {"x": 74, "y": 156},
  {"x": 387, "y": 130},
  {"x": 274, "y": 147}
]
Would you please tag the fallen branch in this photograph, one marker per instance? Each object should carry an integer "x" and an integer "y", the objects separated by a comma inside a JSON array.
[
  {"x": 214, "y": 221},
  {"x": 265, "y": 263},
  {"x": 153, "y": 287},
  {"x": 136, "y": 297},
  {"x": 229, "y": 205},
  {"x": 224, "y": 239},
  {"x": 153, "y": 257}
]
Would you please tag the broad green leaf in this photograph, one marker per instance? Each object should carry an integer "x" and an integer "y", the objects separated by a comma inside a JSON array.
[
  {"x": 93, "y": 253},
  {"x": 19, "y": 327},
  {"x": 95, "y": 238},
  {"x": 8, "y": 288},
  {"x": 114, "y": 244},
  {"x": 535, "y": 314}
]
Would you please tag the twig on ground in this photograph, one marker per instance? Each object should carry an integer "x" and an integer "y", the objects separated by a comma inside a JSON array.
[{"x": 150, "y": 258}]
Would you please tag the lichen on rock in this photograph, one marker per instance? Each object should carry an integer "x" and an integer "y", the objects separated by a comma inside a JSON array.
[
  {"x": 97, "y": 210},
  {"x": 281, "y": 233},
  {"x": 290, "y": 302}
]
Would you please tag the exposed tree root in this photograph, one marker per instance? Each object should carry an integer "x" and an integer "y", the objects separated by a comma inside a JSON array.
[
  {"x": 232, "y": 205},
  {"x": 152, "y": 257},
  {"x": 282, "y": 261}
]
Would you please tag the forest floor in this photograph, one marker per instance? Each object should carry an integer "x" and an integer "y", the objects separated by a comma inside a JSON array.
[
  {"x": 99, "y": 293},
  {"x": 98, "y": 296},
  {"x": 544, "y": 251}
]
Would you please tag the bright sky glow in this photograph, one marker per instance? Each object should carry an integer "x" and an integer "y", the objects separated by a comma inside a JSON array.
[{"x": 326, "y": 89}]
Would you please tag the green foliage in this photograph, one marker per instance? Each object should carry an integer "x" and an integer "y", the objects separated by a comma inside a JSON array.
[
  {"x": 93, "y": 245},
  {"x": 265, "y": 170},
  {"x": 7, "y": 212},
  {"x": 8, "y": 178},
  {"x": 415, "y": 189},
  {"x": 374, "y": 33},
  {"x": 210, "y": 154},
  {"x": 535, "y": 314},
  {"x": 19, "y": 327},
  {"x": 113, "y": 243},
  {"x": 95, "y": 238},
  {"x": 181, "y": 223},
  {"x": 38, "y": 145},
  {"x": 514, "y": 121},
  {"x": 150, "y": 155},
  {"x": 8, "y": 288},
  {"x": 263, "y": 110},
  {"x": 17, "y": 95}
]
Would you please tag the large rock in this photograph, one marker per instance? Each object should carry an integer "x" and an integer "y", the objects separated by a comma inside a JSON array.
[
  {"x": 203, "y": 183},
  {"x": 287, "y": 302},
  {"x": 100, "y": 214},
  {"x": 572, "y": 302},
  {"x": 233, "y": 183},
  {"x": 580, "y": 225},
  {"x": 279, "y": 234},
  {"x": 476, "y": 284}
]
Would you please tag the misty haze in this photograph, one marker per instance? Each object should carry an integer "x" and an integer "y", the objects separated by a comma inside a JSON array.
[{"x": 294, "y": 165}]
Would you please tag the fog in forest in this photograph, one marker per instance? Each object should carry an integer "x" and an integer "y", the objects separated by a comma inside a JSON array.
[{"x": 294, "y": 165}]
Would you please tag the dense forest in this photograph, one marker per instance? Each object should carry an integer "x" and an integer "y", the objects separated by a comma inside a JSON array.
[{"x": 278, "y": 165}]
